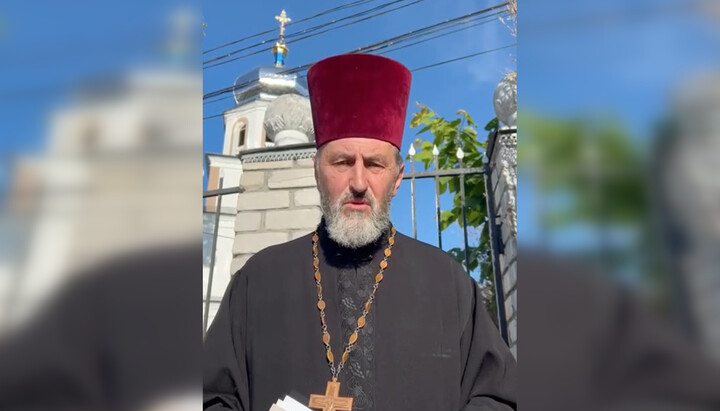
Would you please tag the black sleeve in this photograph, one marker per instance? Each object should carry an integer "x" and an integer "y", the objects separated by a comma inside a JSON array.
[
  {"x": 225, "y": 376},
  {"x": 489, "y": 375}
]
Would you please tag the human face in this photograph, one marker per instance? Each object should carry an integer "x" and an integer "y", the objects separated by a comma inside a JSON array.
[{"x": 357, "y": 178}]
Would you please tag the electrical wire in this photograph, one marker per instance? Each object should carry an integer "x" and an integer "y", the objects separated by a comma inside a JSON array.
[
  {"x": 322, "y": 13},
  {"x": 487, "y": 19},
  {"x": 428, "y": 66},
  {"x": 415, "y": 70},
  {"x": 425, "y": 30},
  {"x": 379, "y": 45},
  {"x": 311, "y": 29},
  {"x": 303, "y": 31}
]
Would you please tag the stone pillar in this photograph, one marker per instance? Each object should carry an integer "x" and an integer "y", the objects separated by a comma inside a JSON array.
[
  {"x": 280, "y": 203},
  {"x": 503, "y": 166}
]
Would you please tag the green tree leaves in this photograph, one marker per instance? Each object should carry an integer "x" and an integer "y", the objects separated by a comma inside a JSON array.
[{"x": 448, "y": 136}]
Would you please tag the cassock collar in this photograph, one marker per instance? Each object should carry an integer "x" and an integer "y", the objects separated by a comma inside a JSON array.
[{"x": 340, "y": 256}]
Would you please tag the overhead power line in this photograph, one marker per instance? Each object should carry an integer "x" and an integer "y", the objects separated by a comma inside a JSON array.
[
  {"x": 422, "y": 67},
  {"x": 274, "y": 29},
  {"x": 489, "y": 19},
  {"x": 272, "y": 40},
  {"x": 433, "y": 28},
  {"x": 482, "y": 20},
  {"x": 443, "y": 25},
  {"x": 315, "y": 30},
  {"x": 486, "y": 20},
  {"x": 462, "y": 58}
]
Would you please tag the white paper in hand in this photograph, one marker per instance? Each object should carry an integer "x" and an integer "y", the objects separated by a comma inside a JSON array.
[{"x": 288, "y": 404}]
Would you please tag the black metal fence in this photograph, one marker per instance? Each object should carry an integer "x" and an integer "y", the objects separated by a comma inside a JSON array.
[{"x": 461, "y": 173}]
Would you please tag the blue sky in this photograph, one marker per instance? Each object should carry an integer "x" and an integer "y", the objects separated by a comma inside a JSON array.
[
  {"x": 611, "y": 59},
  {"x": 46, "y": 53},
  {"x": 466, "y": 84}
]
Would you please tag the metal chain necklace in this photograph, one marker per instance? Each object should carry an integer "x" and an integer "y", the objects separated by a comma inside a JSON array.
[{"x": 334, "y": 386}]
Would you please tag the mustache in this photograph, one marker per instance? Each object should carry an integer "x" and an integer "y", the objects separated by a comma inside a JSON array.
[{"x": 366, "y": 197}]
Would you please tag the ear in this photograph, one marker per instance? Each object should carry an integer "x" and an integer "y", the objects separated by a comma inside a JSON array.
[{"x": 399, "y": 179}]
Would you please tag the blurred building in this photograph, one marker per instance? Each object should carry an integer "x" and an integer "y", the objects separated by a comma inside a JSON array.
[
  {"x": 110, "y": 180},
  {"x": 114, "y": 176}
]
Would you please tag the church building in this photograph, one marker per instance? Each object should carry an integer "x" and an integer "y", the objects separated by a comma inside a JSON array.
[{"x": 268, "y": 145}]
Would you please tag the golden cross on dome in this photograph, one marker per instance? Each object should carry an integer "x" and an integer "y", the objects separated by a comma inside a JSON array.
[{"x": 283, "y": 19}]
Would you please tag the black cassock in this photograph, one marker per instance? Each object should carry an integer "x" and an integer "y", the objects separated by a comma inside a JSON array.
[{"x": 429, "y": 343}]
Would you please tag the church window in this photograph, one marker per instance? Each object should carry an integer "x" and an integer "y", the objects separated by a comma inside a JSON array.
[{"x": 240, "y": 133}]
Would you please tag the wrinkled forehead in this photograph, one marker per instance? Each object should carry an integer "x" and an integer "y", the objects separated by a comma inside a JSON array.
[{"x": 354, "y": 146}]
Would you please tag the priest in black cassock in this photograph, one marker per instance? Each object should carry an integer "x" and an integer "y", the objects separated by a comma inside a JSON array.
[{"x": 356, "y": 315}]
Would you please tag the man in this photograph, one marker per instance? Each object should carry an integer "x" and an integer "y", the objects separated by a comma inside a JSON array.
[{"x": 394, "y": 322}]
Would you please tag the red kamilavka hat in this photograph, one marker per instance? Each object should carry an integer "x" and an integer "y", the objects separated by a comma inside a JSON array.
[{"x": 358, "y": 95}]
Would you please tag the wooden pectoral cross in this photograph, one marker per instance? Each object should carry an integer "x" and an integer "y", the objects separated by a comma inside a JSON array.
[{"x": 331, "y": 401}]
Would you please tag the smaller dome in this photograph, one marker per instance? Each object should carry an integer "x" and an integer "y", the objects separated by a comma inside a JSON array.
[
  {"x": 288, "y": 120},
  {"x": 505, "y": 99}
]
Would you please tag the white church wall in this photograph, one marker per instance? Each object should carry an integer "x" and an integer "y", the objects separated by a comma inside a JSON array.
[
  {"x": 280, "y": 203},
  {"x": 285, "y": 206},
  {"x": 223, "y": 258}
]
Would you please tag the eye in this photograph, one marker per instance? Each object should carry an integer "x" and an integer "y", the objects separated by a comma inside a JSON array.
[{"x": 375, "y": 165}]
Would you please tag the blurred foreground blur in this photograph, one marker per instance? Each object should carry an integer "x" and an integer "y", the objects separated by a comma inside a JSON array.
[
  {"x": 100, "y": 218},
  {"x": 619, "y": 232}
]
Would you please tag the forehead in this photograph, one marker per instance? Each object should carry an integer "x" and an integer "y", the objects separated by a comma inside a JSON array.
[{"x": 358, "y": 145}]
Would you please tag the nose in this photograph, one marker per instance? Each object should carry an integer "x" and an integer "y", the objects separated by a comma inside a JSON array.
[{"x": 358, "y": 179}]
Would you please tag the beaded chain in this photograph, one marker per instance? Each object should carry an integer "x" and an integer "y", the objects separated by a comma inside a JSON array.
[{"x": 352, "y": 340}]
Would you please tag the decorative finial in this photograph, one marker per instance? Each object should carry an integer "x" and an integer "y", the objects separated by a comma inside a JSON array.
[
  {"x": 435, "y": 151},
  {"x": 505, "y": 100},
  {"x": 411, "y": 151},
  {"x": 280, "y": 50},
  {"x": 283, "y": 19},
  {"x": 460, "y": 153}
]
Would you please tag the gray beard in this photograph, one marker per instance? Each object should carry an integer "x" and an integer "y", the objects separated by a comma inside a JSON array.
[{"x": 355, "y": 230}]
